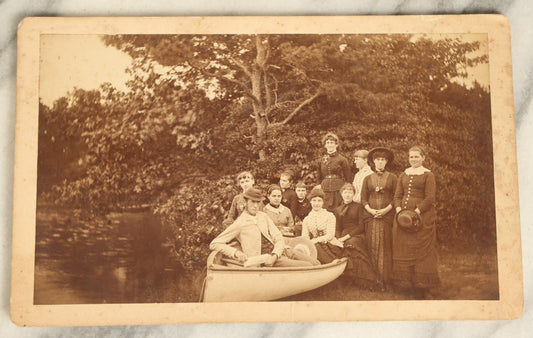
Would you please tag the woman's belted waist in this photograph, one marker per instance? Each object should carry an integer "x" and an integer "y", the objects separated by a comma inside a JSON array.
[
  {"x": 332, "y": 176},
  {"x": 332, "y": 183}
]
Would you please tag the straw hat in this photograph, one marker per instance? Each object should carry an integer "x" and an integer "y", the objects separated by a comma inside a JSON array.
[{"x": 303, "y": 245}]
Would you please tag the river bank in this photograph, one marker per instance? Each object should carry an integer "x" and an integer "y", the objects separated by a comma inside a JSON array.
[{"x": 124, "y": 258}]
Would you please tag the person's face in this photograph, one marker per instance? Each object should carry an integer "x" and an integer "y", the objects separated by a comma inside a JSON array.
[
  {"x": 284, "y": 182},
  {"x": 317, "y": 203},
  {"x": 252, "y": 207},
  {"x": 275, "y": 197},
  {"x": 415, "y": 159},
  {"x": 331, "y": 146},
  {"x": 380, "y": 163},
  {"x": 300, "y": 193},
  {"x": 246, "y": 182},
  {"x": 347, "y": 195},
  {"x": 359, "y": 162}
]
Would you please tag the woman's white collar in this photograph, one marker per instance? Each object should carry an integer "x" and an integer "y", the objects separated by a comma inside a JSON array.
[
  {"x": 277, "y": 210},
  {"x": 416, "y": 171}
]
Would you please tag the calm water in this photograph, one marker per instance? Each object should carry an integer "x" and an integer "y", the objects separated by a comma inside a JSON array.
[{"x": 120, "y": 259}]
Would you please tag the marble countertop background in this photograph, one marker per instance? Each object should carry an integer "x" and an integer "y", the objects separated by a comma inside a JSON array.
[{"x": 519, "y": 13}]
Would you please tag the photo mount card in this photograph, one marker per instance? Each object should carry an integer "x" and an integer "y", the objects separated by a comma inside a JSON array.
[{"x": 130, "y": 133}]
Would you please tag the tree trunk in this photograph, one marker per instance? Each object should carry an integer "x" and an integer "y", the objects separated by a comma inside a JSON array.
[{"x": 259, "y": 109}]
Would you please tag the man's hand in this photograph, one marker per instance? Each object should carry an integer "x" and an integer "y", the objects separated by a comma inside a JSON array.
[
  {"x": 271, "y": 260},
  {"x": 241, "y": 256}
]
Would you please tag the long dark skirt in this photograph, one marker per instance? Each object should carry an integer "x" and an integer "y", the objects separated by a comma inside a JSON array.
[
  {"x": 327, "y": 252},
  {"x": 359, "y": 264},
  {"x": 379, "y": 242},
  {"x": 421, "y": 273},
  {"x": 332, "y": 199}
]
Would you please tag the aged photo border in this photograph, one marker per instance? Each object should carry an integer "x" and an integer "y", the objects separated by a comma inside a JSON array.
[{"x": 510, "y": 304}]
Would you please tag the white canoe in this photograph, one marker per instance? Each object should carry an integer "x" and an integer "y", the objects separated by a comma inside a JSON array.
[{"x": 225, "y": 283}]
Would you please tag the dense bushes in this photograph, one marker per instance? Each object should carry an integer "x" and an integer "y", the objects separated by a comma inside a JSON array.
[{"x": 173, "y": 146}]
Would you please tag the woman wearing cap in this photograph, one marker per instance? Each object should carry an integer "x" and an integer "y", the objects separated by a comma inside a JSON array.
[
  {"x": 333, "y": 172},
  {"x": 350, "y": 230},
  {"x": 377, "y": 197},
  {"x": 319, "y": 226},
  {"x": 414, "y": 252}
]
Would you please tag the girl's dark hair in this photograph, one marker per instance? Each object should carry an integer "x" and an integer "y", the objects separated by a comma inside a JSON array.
[{"x": 272, "y": 187}]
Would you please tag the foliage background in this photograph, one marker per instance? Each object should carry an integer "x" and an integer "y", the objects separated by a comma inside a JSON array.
[{"x": 202, "y": 108}]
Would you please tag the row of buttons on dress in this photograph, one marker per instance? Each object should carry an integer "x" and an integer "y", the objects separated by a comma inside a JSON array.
[{"x": 408, "y": 191}]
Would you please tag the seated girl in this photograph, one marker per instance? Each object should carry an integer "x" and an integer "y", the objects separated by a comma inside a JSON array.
[
  {"x": 319, "y": 226},
  {"x": 280, "y": 214},
  {"x": 350, "y": 230}
]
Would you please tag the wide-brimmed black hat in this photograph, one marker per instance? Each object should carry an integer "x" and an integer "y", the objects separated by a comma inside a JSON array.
[
  {"x": 387, "y": 153},
  {"x": 408, "y": 220},
  {"x": 253, "y": 194}
]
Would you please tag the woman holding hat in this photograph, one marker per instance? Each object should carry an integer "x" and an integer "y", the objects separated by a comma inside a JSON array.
[
  {"x": 377, "y": 197},
  {"x": 414, "y": 232},
  {"x": 333, "y": 171},
  {"x": 319, "y": 226}
]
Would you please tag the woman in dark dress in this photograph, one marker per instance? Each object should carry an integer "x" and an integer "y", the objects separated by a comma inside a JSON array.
[
  {"x": 350, "y": 230},
  {"x": 333, "y": 171},
  {"x": 376, "y": 197},
  {"x": 414, "y": 251}
]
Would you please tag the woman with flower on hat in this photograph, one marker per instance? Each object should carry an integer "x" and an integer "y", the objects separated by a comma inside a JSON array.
[
  {"x": 333, "y": 171},
  {"x": 414, "y": 252},
  {"x": 376, "y": 197},
  {"x": 319, "y": 226}
]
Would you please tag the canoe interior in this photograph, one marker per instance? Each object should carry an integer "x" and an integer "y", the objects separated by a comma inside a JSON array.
[{"x": 235, "y": 283}]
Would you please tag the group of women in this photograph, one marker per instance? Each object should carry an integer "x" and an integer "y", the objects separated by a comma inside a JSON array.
[{"x": 384, "y": 223}]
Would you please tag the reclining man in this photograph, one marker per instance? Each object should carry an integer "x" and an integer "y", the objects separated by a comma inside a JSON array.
[{"x": 257, "y": 235}]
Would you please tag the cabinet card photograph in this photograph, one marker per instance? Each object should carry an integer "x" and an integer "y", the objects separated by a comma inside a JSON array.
[{"x": 252, "y": 169}]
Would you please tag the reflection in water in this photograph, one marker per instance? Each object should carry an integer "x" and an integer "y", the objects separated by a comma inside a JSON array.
[{"x": 119, "y": 259}]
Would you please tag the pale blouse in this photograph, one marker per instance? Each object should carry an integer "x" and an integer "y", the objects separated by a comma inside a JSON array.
[
  {"x": 358, "y": 182},
  {"x": 319, "y": 225},
  {"x": 281, "y": 215}
]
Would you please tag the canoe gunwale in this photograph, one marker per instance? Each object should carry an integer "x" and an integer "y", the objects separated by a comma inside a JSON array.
[{"x": 211, "y": 266}]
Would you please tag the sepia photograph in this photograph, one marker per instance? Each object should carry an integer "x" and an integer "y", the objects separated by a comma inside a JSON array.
[{"x": 264, "y": 167}]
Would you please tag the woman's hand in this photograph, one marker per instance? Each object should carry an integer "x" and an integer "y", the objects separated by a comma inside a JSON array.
[
  {"x": 371, "y": 211},
  {"x": 376, "y": 213},
  {"x": 385, "y": 210},
  {"x": 241, "y": 256},
  {"x": 271, "y": 260},
  {"x": 344, "y": 238}
]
